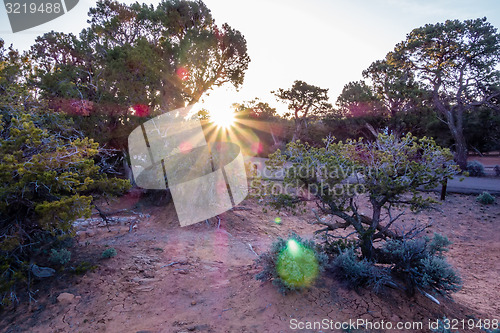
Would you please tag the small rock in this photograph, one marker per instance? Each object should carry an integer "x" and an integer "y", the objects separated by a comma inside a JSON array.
[
  {"x": 193, "y": 303},
  {"x": 65, "y": 298},
  {"x": 42, "y": 272}
]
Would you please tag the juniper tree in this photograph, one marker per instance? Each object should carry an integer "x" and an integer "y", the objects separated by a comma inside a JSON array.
[{"x": 389, "y": 172}]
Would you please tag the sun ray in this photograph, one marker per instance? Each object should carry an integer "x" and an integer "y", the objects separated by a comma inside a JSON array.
[{"x": 222, "y": 119}]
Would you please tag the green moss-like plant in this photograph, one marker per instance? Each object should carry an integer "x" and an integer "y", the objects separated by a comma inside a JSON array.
[
  {"x": 291, "y": 264},
  {"x": 83, "y": 267},
  {"x": 60, "y": 257},
  {"x": 297, "y": 265},
  {"x": 485, "y": 198},
  {"x": 108, "y": 253}
]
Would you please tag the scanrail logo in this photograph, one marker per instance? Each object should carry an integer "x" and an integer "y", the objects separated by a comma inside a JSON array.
[
  {"x": 170, "y": 151},
  {"x": 26, "y": 14}
]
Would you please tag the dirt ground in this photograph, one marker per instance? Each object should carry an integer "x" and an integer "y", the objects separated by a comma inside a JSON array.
[{"x": 200, "y": 278}]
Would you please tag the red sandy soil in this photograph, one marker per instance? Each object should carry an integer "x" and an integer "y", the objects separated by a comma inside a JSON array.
[{"x": 211, "y": 285}]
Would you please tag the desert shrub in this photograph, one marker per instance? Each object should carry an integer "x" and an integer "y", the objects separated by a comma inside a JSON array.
[
  {"x": 420, "y": 263},
  {"x": 417, "y": 262},
  {"x": 436, "y": 273},
  {"x": 48, "y": 179},
  {"x": 108, "y": 253},
  {"x": 485, "y": 198},
  {"x": 360, "y": 272},
  {"x": 336, "y": 247},
  {"x": 497, "y": 170},
  {"x": 291, "y": 264},
  {"x": 475, "y": 169},
  {"x": 83, "y": 267},
  {"x": 389, "y": 172},
  {"x": 60, "y": 257}
]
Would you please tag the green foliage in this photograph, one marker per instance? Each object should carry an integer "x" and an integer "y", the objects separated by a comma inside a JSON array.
[
  {"x": 421, "y": 264},
  {"x": 336, "y": 247},
  {"x": 391, "y": 100},
  {"x": 162, "y": 56},
  {"x": 84, "y": 267},
  {"x": 485, "y": 198},
  {"x": 436, "y": 273},
  {"x": 388, "y": 172},
  {"x": 255, "y": 109},
  {"x": 283, "y": 201},
  {"x": 305, "y": 102},
  {"x": 291, "y": 264},
  {"x": 357, "y": 99},
  {"x": 360, "y": 272},
  {"x": 475, "y": 169},
  {"x": 60, "y": 257},
  {"x": 108, "y": 253},
  {"x": 297, "y": 268},
  {"x": 481, "y": 129},
  {"x": 48, "y": 179},
  {"x": 456, "y": 61}
]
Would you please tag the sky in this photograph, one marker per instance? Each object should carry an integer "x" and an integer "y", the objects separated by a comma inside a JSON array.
[{"x": 327, "y": 43}]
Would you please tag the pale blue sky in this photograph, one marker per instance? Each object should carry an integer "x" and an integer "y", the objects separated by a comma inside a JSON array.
[{"x": 323, "y": 42}]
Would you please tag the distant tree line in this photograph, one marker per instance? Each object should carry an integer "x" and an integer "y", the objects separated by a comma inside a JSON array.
[{"x": 442, "y": 82}]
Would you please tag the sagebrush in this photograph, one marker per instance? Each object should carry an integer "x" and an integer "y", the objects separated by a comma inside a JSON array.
[{"x": 291, "y": 264}]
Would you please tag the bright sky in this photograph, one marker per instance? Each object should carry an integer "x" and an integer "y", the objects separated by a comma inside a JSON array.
[{"x": 323, "y": 42}]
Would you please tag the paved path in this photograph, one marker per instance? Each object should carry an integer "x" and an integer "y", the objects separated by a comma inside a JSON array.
[
  {"x": 474, "y": 185},
  {"x": 470, "y": 185}
]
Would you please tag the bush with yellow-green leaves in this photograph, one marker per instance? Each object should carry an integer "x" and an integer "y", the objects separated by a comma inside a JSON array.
[{"x": 48, "y": 179}]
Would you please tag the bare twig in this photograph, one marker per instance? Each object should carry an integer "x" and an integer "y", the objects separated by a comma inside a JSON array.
[
  {"x": 172, "y": 263},
  {"x": 432, "y": 298},
  {"x": 240, "y": 208},
  {"x": 251, "y": 249}
]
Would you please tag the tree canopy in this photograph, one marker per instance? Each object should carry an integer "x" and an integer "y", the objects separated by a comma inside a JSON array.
[
  {"x": 305, "y": 101},
  {"x": 456, "y": 62},
  {"x": 256, "y": 109},
  {"x": 164, "y": 57},
  {"x": 50, "y": 175}
]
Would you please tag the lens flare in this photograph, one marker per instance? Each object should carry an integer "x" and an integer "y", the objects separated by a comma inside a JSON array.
[
  {"x": 293, "y": 247},
  {"x": 297, "y": 265},
  {"x": 182, "y": 73},
  {"x": 222, "y": 119}
]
